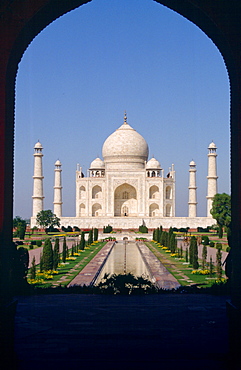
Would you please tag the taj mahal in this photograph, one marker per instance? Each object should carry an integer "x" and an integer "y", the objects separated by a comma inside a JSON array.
[{"x": 125, "y": 189}]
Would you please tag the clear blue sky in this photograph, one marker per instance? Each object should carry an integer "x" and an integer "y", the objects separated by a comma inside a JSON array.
[{"x": 82, "y": 72}]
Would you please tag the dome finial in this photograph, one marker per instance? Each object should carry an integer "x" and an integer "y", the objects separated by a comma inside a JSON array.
[{"x": 125, "y": 118}]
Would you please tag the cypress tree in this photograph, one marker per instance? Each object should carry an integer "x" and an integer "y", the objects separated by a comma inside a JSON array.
[
  {"x": 195, "y": 263},
  {"x": 82, "y": 241},
  {"x": 90, "y": 238},
  {"x": 170, "y": 233},
  {"x": 95, "y": 234},
  {"x": 164, "y": 238},
  {"x": 220, "y": 231},
  {"x": 41, "y": 263},
  {"x": 211, "y": 266},
  {"x": 172, "y": 243},
  {"x": 158, "y": 235},
  {"x": 47, "y": 255},
  {"x": 181, "y": 251},
  {"x": 160, "y": 231},
  {"x": 56, "y": 254},
  {"x": 154, "y": 235},
  {"x": 64, "y": 253},
  {"x": 219, "y": 263},
  {"x": 33, "y": 269},
  {"x": 186, "y": 254},
  {"x": 191, "y": 250},
  {"x": 204, "y": 256}
]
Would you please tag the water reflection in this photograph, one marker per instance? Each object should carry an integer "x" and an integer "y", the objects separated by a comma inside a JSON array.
[{"x": 124, "y": 258}]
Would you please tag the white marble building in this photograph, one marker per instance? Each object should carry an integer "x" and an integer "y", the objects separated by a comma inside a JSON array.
[{"x": 125, "y": 189}]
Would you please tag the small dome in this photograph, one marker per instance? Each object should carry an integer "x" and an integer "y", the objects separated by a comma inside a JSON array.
[
  {"x": 192, "y": 163},
  {"x": 38, "y": 145},
  {"x": 153, "y": 164},
  {"x": 58, "y": 163},
  {"x": 212, "y": 146},
  {"x": 97, "y": 164}
]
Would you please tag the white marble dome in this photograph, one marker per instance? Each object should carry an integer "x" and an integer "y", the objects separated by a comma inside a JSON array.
[
  {"x": 153, "y": 164},
  {"x": 125, "y": 146},
  {"x": 212, "y": 146},
  {"x": 38, "y": 145},
  {"x": 58, "y": 163},
  {"x": 97, "y": 164}
]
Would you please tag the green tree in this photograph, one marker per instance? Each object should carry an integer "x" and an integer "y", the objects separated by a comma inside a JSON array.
[
  {"x": 181, "y": 251},
  {"x": 170, "y": 233},
  {"x": 160, "y": 233},
  {"x": 186, "y": 254},
  {"x": 164, "y": 238},
  {"x": 33, "y": 269},
  {"x": 221, "y": 211},
  {"x": 95, "y": 234},
  {"x": 172, "y": 243},
  {"x": 47, "y": 219},
  {"x": 204, "y": 257},
  {"x": 143, "y": 229},
  {"x": 82, "y": 241},
  {"x": 90, "y": 238},
  {"x": 193, "y": 253},
  {"x": 64, "y": 252},
  {"x": 21, "y": 232},
  {"x": 20, "y": 225},
  {"x": 41, "y": 263},
  {"x": 72, "y": 250},
  {"x": 205, "y": 240},
  {"x": 21, "y": 261},
  {"x": 56, "y": 254},
  {"x": 17, "y": 221},
  {"x": 219, "y": 262},
  {"x": 211, "y": 266},
  {"x": 47, "y": 255},
  {"x": 195, "y": 263}
]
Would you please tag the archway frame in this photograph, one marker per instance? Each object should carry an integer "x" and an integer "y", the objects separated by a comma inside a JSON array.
[{"x": 21, "y": 21}]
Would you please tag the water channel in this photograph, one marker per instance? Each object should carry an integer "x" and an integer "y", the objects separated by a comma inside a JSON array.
[{"x": 124, "y": 258}]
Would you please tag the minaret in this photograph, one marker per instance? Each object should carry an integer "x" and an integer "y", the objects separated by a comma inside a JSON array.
[
  {"x": 58, "y": 189},
  {"x": 212, "y": 176},
  {"x": 192, "y": 204},
  {"x": 38, "y": 197}
]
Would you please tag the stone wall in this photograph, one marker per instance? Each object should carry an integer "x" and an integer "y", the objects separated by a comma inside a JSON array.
[{"x": 134, "y": 222}]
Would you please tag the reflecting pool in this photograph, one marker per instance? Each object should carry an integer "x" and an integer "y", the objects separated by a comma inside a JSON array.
[{"x": 124, "y": 258}]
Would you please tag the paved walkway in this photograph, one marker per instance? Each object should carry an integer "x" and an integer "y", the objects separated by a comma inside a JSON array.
[
  {"x": 121, "y": 332},
  {"x": 163, "y": 278},
  {"x": 89, "y": 272}
]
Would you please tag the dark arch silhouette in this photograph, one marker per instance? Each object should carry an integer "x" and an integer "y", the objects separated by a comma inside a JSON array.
[{"x": 21, "y": 21}]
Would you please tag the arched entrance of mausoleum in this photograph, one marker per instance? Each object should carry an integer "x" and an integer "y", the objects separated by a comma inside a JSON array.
[{"x": 125, "y": 203}]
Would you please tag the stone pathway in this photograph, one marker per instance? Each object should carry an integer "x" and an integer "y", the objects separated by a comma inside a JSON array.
[
  {"x": 167, "y": 263},
  {"x": 89, "y": 272},
  {"x": 163, "y": 278}
]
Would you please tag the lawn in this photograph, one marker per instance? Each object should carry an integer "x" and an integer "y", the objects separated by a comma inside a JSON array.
[
  {"x": 180, "y": 269},
  {"x": 66, "y": 272}
]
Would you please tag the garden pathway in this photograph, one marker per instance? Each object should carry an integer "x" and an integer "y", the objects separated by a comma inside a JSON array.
[{"x": 166, "y": 261}]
